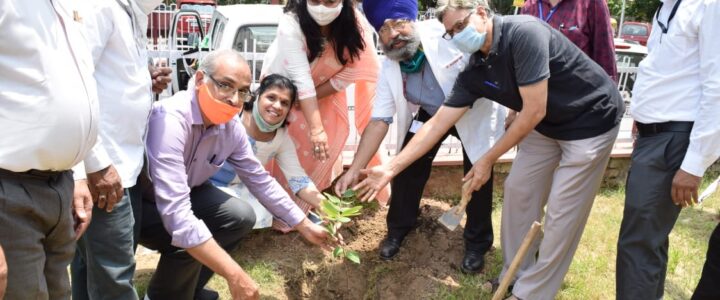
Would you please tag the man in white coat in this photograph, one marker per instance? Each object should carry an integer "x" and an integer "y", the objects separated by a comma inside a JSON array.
[{"x": 418, "y": 73}]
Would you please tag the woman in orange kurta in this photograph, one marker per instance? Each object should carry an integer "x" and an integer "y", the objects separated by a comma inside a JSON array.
[{"x": 310, "y": 35}]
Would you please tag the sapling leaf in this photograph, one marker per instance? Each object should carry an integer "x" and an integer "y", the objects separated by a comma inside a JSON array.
[
  {"x": 329, "y": 208},
  {"x": 338, "y": 251},
  {"x": 332, "y": 198},
  {"x": 351, "y": 211},
  {"x": 331, "y": 229},
  {"x": 342, "y": 219},
  {"x": 352, "y": 256},
  {"x": 349, "y": 193}
]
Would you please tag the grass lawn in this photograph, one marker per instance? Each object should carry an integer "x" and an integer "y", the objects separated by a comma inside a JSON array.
[{"x": 591, "y": 275}]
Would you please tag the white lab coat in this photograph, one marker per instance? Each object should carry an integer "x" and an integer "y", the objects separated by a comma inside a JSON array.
[{"x": 479, "y": 128}]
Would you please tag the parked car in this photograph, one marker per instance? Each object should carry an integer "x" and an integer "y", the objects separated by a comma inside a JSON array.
[
  {"x": 628, "y": 55},
  {"x": 187, "y": 31},
  {"x": 636, "y": 31}
]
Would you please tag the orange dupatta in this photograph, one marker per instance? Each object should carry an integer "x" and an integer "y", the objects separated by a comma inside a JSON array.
[{"x": 334, "y": 113}]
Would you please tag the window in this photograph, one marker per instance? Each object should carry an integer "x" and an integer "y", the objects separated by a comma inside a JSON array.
[
  {"x": 632, "y": 29},
  {"x": 258, "y": 36}
]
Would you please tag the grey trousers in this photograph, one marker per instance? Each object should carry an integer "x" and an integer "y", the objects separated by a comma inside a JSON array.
[
  {"x": 104, "y": 263},
  {"x": 36, "y": 232},
  {"x": 563, "y": 177},
  {"x": 178, "y": 275},
  {"x": 649, "y": 216}
]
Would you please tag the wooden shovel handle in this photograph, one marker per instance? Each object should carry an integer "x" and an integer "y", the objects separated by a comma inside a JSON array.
[
  {"x": 466, "y": 195},
  {"x": 519, "y": 256}
]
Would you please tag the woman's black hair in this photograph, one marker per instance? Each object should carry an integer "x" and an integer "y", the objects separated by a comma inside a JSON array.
[
  {"x": 273, "y": 81},
  {"x": 345, "y": 32}
]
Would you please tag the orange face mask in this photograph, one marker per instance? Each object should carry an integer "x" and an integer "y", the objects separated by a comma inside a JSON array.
[{"x": 215, "y": 111}]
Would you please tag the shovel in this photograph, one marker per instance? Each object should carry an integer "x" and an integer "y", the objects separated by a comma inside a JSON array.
[
  {"x": 517, "y": 260},
  {"x": 451, "y": 218}
]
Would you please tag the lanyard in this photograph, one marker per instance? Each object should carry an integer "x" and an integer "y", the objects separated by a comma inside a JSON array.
[
  {"x": 550, "y": 14},
  {"x": 664, "y": 27}
]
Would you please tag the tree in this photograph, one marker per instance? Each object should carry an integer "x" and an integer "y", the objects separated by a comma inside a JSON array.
[{"x": 635, "y": 10}]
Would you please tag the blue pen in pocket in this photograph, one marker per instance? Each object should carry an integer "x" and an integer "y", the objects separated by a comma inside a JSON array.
[{"x": 490, "y": 84}]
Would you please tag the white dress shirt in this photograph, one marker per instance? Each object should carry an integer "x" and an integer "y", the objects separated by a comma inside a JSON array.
[
  {"x": 48, "y": 102},
  {"x": 124, "y": 86},
  {"x": 478, "y": 128},
  {"x": 680, "y": 78}
]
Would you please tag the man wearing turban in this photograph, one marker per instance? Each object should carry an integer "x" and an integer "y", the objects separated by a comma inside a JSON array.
[{"x": 418, "y": 73}]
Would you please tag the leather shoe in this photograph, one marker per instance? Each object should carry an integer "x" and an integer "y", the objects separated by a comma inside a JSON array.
[
  {"x": 473, "y": 262},
  {"x": 390, "y": 247}
]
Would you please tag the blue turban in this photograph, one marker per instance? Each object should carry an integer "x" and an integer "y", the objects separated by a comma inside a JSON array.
[{"x": 377, "y": 11}]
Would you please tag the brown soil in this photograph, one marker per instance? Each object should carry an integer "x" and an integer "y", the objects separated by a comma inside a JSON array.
[
  {"x": 429, "y": 255},
  {"x": 429, "y": 258}
]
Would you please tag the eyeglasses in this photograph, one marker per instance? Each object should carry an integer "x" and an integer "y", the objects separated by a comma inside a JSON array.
[
  {"x": 393, "y": 24},
  {"x": 459, "y": 26},
  {"x": 227, "y": 89},
  {"x": 326, "y": 2}
]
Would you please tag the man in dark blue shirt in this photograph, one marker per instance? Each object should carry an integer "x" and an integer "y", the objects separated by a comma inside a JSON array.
[{"x": 569, "y": 116}]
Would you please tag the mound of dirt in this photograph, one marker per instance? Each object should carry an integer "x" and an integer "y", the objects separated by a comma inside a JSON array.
[
  {"x": 428, "y": 260},
  {"x": 429, "y": 255}
]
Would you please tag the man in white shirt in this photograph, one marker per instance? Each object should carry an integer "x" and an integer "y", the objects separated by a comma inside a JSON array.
[
  {"x": 48, "y": 124},
  {"x": 419, "y": 70},
  {"x": 104, "y": 264},
  {"x": 676, "y": 107}
]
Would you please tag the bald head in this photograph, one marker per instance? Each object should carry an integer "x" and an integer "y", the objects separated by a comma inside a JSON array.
[{"x": 225, "y": 57}]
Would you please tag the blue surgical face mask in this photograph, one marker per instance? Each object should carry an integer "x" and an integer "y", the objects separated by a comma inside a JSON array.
[{"x": 469, "y": 40}]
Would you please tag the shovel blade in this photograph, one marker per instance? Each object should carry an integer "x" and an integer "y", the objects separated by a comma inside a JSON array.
[{"x": 451, "y": 218}]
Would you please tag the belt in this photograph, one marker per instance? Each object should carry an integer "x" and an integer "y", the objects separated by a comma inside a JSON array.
[
  {"x": 32, "y": 174},
  {"x": 654, "y": 128}
]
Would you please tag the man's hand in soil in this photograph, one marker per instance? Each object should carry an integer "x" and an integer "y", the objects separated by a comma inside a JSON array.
[
  {"x": 243, "y": 287},
  {"x": 106, "y": 188},
  {"x": 81, "y": 207},
  {"x": 377, "y": 178},
  {"x": 317, "y": 235},
  {"x": 346, "y": 180},
  {"x": 210, "y": 254},
  {"x": 685, "y": 188}
]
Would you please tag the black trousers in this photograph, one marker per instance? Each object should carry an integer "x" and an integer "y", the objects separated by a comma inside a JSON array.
[
  {"x": 408, "y": 187},
  {"x": 178, "y": 275},
  {"x": 649, "y": 215},
  {"x": 709, "y": 286}
]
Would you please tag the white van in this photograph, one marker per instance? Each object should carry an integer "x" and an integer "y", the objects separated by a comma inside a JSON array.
[{"x": 248, "y": 28}]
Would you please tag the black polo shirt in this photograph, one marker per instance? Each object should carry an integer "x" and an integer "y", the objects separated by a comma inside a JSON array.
[{"x": 582, "y": 102}]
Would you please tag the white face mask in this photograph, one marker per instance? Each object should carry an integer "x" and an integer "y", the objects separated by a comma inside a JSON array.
[{"x": 322, "y": 14}]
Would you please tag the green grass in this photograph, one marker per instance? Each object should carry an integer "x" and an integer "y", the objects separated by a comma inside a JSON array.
[{"x": 592, "y": 272}]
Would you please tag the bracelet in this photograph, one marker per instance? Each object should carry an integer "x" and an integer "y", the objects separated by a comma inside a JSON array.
[{"x": 318, "y": 133}]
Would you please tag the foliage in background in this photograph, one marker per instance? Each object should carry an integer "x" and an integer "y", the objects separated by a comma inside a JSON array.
[
  {"x": 337, "y": 211},
  {"x": 635, "y": 10}
]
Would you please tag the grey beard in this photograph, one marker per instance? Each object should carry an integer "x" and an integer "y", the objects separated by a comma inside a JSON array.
[{"x": 404, "y": 53}]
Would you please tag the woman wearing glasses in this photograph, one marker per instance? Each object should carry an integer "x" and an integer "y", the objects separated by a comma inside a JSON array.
[
  {"x": 264, "y": 119},
  {"x": 324, "y": 46}
]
